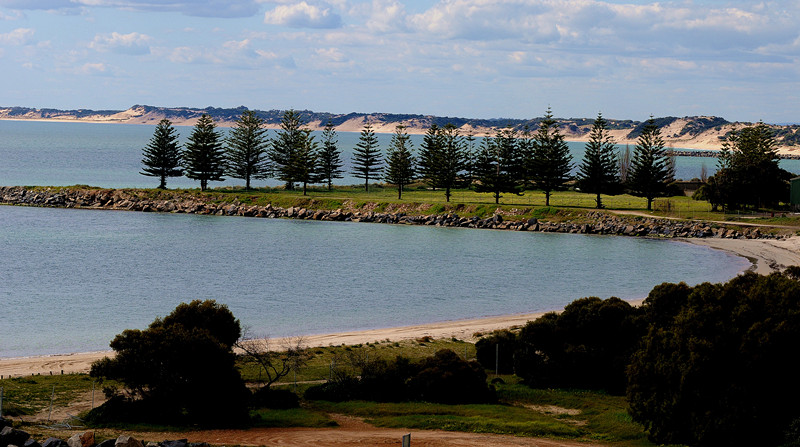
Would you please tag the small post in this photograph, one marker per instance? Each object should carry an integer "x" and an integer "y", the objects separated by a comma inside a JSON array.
[
  {"x": 52, "y": 398},
  {"x": 407, "y": 440},
  {"x": 497, "y": 359}
]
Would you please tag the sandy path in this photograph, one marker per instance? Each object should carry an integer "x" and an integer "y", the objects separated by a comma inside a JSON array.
[
  {"x": 354, "y": 432},
  {"x": 768, "y": 255}
]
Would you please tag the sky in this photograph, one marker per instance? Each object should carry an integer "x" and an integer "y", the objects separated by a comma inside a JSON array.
[{"x": 461, "y": 58}]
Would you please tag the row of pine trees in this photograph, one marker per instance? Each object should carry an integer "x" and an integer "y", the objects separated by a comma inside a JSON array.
[{"x": 511, "y": 161}]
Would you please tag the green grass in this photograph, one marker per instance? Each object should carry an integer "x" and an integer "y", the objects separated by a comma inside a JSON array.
[
  {"x": 318, "y": 367},
  {"x": 294, "y": 417},
  {"x": 485, "y": 418},
  {"x": 32, "y": 394}
]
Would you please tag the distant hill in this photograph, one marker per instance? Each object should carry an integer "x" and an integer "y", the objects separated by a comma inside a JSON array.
[{"x": 700, "y": 132}]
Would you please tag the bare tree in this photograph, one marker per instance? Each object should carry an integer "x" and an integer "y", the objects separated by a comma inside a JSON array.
[
  {"x": 703, "y": 173},
  {"x": 624, "y": 164},
  {"x": 273, "y": 363}
]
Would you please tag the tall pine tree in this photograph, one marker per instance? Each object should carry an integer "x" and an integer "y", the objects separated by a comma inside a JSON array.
[
  {"x": 162, "y": 155},
  {"x": 288, "y": 141},
  {"x": 247, "y": 145},
  {"x": 495, "y": 169},
  {"x": 305, "y": 161},
  {"x": 551, "y": 162},
  {"x": 400, "y": 160},
  {"x": 330, "y": 157},
  {"x": 367, "y": 156},
  {"x": 599, "y": 171},
  {"x": 204, "y": 158},
  {"x": 650, "y": 172}
]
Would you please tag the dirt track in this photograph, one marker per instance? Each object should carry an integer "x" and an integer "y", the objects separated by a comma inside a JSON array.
[{"x": 354, "y": 432}]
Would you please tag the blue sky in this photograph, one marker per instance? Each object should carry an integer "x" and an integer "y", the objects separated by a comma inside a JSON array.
[{"x": 467, "y": 58}]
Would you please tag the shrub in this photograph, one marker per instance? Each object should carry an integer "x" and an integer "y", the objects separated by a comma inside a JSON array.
[
  {"x": 719, "y": 371},
  {"x": 487, "y": 351},
  {"x": 275, "y": 398},
  {"x": 182, "y": 365}
]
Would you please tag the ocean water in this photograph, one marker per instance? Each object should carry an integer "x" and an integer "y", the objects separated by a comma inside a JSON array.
[
  {"x": 72, "y": 279},
  {"x": 109, "y": 156}
]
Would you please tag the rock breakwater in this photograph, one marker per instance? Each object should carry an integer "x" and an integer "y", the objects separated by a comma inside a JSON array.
[{"x": 594, "y": 222}]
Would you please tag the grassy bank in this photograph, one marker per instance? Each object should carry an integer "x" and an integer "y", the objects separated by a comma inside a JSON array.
[
  {"x": 521, "y": 411},
  {"x": 420, "y": 200}
]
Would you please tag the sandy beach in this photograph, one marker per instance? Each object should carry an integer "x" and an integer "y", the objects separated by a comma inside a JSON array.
[{"x": 767, "y": 256}]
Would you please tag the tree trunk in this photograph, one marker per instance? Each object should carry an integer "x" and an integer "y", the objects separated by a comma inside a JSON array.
[
  {"x": 547, "y": 198},
  {"x": 399, "y": 191},
  {"x": 247, "y": 183},
  {"x": 599, "y": 203},
  {"x": 447, "y": 194},
  {"x": 304, "y": 188}
]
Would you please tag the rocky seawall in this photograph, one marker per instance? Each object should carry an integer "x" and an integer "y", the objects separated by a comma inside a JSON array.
[{"x": 595, "y": 222}]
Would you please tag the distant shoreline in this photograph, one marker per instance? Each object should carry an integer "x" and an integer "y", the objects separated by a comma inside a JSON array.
[{"x": 699, "y": 132}]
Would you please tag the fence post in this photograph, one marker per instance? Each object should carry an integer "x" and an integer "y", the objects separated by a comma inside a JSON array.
[
  {"x": 52, "y": 398},
  {"x": 497, "y": 359}
]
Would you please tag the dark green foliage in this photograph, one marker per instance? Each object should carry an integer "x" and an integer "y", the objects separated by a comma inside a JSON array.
[
  {"x": 443, "y": 158},
  {"x": 275, "y": 398},
  {"x": 204, "y": 157},
  {"x": 400, "y": 161},
  {"x": 247, "y": 149},
  {"x": 551, "y": 161},
  {"x": 330, "y": 157},
  {"x": 162, "y": 155},
  {"x": 748, "y": 171},
  {"x": 599, "y": 172},
  {"x": 367, "y": 156},
  {"x": 497, "y": 359},
  {"x": 290, "y": 141},
  {"x": 651, "y": 171},
  {"x": 720, "y": 370},
  {"x": 497, "y": 165},
  {"x": 587, "y": 346},
  {"x": 183, "y": 366},
  {"x": 444, "y": 378},
  {"x": 306, "y": 161},
  {"x": 447, "y": 378}
]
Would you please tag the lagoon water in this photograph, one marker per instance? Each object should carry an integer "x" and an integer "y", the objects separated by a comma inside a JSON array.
[{"x": 72, "y": 279}]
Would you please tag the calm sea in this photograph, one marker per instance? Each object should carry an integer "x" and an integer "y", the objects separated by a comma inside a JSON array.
[{"x": 72, "y": 279}]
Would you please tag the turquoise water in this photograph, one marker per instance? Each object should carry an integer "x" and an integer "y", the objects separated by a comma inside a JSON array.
[
  {"x": 109, "y": 155},
  {"x": 72, "y": 279}
]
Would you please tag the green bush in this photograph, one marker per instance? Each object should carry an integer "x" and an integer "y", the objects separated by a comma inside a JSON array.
[
  {"x": 487, "y": 351},
  {"x": 275, "y": 398},
  {"x": 717, "y": 370}
]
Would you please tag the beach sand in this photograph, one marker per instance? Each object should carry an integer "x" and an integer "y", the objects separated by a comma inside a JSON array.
[{"x": 767, "y": 255}]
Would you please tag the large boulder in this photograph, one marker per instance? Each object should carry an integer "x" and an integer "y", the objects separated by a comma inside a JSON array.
[
  {"x": 176, "y": 443},
  {"x": 128, "y": 441},
  {"x": 85, "y": 439},
  {"x": 31, "y": 443},
  {"x": 54, "y": 442},
  {"x": 12, "y": 436}
]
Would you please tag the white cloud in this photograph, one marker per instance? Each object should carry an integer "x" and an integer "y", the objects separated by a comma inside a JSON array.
[
  {"x": 201, "y": 8},
  {"x": 19, "y": 36},
  {"x": 131, "y": 43},
  {"x": 303, "y": 15},
  {"x": 91, "y": 68},
  {"x": 386, "y": 15}
]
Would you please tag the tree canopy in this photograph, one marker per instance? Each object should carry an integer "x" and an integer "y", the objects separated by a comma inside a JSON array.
[
  {"x": 551, "y": 162},
  {"x": 714, "y": 367},
  {"x": 204, "y": 157},
  {"x": 182, "y": 366},
  {"x": 330, "y": 157},
  {"x": 599, "y": 172},
  {"x": 650, "y": 171},
  {"x": 400, "y": 167},
  {"x": 162, "y": 155},
  {"x": 247, "y": 145},
  {"x": 367, "y": 156}
]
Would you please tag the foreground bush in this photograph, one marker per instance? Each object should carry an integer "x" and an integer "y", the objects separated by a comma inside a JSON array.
[
  {"x": 179, "y": 370},
  {"x": 444, "y": 377},
  {"x": 587, "y": 346},
  {"x": 716, "y": 370}
]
